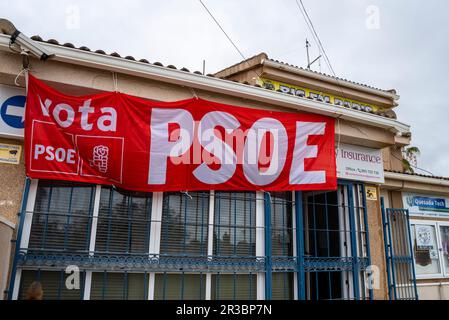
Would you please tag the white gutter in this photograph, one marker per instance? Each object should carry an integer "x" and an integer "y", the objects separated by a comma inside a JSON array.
[
  {"x": 149, "y": 71},
  {"x": 310, "y": 74},
  {"x": 418, "y": 179}
]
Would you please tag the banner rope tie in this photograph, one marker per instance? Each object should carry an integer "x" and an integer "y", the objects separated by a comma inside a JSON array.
[
  {"x": 25, "y": 71},
  {"x": 339, "y": 132},
  {"x": 194, "y": 93},
  {"x": 115, "y": 81},
  {"x": 269, "y": 195},
  {"x": 187, "y": 194}
]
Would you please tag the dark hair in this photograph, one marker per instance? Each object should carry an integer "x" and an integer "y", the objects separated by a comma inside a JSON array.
[{"x": 35, "y": 291}]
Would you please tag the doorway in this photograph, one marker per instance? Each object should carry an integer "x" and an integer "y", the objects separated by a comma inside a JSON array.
[{"x": 335, "y": 243}]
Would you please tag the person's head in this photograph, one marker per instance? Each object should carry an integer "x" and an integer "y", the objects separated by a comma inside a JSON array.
[{"x": 35, "y": 291}]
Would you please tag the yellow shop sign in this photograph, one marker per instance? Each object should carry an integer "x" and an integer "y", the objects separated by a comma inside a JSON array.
[{"x": 316, "y": 95}]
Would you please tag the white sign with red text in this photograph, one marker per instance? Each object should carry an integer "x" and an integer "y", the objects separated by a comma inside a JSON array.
[{"x": 359, "y": 163}]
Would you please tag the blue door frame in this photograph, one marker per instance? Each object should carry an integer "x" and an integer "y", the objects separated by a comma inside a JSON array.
[
  {"x": 22, "y": 215},
  {"x": 399, "y": 254},
  {"x": 301, "y": 263}
]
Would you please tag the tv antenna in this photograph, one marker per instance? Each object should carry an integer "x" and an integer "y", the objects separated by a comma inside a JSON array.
[{"x": 309, "y": 64}]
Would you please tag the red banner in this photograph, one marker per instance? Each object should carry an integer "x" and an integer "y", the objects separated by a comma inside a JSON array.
[{"x": 137, "y": 144}]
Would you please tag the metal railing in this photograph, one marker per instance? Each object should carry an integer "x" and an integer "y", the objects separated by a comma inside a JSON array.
[
  {"x": 399, "y": 255},
  {"x": 63, "y": 226}
]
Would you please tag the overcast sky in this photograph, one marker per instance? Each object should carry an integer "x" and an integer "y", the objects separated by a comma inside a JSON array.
[{"x": 400, "y": 44}]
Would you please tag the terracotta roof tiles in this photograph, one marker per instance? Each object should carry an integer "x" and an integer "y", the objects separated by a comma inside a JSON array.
[
  {"x": 115, "y": 54},
  {"x": 418, "y": 174}
]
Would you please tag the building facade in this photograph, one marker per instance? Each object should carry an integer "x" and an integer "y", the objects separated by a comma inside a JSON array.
[
  {"x": 425, "y": 198},
  {"x": 85, "y": 241}
]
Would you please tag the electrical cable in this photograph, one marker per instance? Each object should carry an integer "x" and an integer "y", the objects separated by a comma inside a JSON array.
[
  {"x": 224, "y": 32},
  {"x": 315, "y": 34},
  {"x": 227, "y": 36},
  {"x": 318, "y": 42},
  {"x": 323, "y": 52},
  {"x": 416, "y": 167}
]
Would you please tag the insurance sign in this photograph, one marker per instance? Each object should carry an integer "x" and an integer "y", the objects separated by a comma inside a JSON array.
[{"x": 359, "y": 163}]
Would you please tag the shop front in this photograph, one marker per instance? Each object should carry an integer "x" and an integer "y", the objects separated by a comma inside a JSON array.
[
  {"x": 196, "y": 245},
  {"x": 429, "y": 226},
  {"x": 86, "y": 240},
  {"x": 424, "y": 199},
  {"x": 105, "y": 215}
]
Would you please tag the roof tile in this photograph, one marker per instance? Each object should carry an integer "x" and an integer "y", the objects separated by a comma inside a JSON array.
[
  {"x": 327, "y": 75},
  {"x": 418, "y": 174},
  {"x": 115, "y": 54}
]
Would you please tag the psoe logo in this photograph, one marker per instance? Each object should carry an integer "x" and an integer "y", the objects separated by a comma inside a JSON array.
[{"x": 100, "y": 155}]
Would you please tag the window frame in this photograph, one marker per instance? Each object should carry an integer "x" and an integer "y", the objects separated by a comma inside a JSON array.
[
  {"x": 436, "y": 225},
  {"x": 155, "y": 239},
  {"x": 82, "y": 279},
  {"x": 203, "y": 281},
  {"x": 443, "y": 269}
]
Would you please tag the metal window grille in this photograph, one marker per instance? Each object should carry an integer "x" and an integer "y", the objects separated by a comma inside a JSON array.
[
  {"x": 170, "y": 286},
  {"x": 331, "y": 256},
  {"x": 53, "y": 284},
  {"x": 235, "y": 224},
  {"x": 282, "y": 259},
  {"x": 184, "y": 224},
  {"x": 235, "y": 286},
  {"x": 336, "y": 244},
  {"x": 282, "y": 286},
  {"x": 281, "y": 224},
  {"x": 61, "y": 217},
  {"x": 399, "y": 255},
  {"x": 124, "y": 222},
  {"x": 119, "y": 286}
]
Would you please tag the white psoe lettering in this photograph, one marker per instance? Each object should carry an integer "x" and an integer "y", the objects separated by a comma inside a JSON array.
[
  {"x": 303, "y": 151},
  {"x": 163, "y": 149},
  {"x": 51, "y": 153}
]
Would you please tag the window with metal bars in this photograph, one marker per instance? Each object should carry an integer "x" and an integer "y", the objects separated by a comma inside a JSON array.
[
  {"x": 53, "y": 284},
  {"x": 185, "y": 223},
  {"x": 235, "y": 224},
  {"x": 335, "y": 240},
  {"x": 281, "y": 212},
  {"x": 119, "y": 286},
  {"x": 172, "y": 286},
  {"x": 282, "y": 286},
  {"x": 62, "y": 217},
  {"x": 124, "y": 220},
  {"x": 336, "y": 243},
  {"x": 281, "y": 224},
  {"x": 235, "y": 286}
]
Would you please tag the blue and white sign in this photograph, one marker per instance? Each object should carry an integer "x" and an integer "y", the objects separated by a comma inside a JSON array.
[
  {"x": 425, "y": 205},
  {"x": 12, "y": 111},
  {"x": 428, "y": 203}
]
